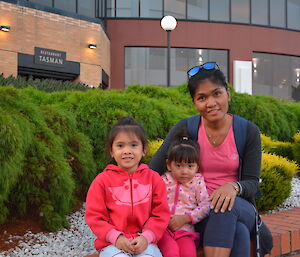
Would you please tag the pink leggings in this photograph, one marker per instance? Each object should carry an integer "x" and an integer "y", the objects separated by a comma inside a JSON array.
[{"x": 178, "y": 244}]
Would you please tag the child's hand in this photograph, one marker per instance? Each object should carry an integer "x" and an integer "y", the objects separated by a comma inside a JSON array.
[
  {"x": 177, "y": 221},
  {"x": 124, "y": 244},
  {"x": 139, "y": 244}
]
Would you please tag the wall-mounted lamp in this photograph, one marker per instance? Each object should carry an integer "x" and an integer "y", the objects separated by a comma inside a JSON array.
[
  {"x": 92, "y": 46},
  {"x": 5, "y": 28}
]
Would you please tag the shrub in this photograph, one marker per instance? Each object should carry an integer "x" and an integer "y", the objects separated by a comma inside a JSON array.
[
  {"x": 284, "y": 149},
  {"x": 275, "y": 119},
  {"x": 277, "y": 173},
  {"x": 40, "y": 144},
  {"x": 296, "y": 148},
  {"x": 152, "y": 149},
  {"x": 47, "y": 85}
]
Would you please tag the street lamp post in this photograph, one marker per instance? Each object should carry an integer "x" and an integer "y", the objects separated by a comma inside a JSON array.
[{"x": 168, "y": 23}]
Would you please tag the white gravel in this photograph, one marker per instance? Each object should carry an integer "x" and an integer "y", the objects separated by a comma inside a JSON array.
[{"x": 78, "y": 240}]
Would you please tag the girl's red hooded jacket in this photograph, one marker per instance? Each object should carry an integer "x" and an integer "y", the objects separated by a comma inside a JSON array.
[{"x": 129, "y": 203}]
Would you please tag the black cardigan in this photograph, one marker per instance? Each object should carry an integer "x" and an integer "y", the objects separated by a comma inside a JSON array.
[{"x": 250, "y": 162}]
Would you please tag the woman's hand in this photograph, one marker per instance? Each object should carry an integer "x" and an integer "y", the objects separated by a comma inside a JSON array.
[
  {"x": 139, "y": 244},
  {"x": 223, "y": 198},
  {"x": 124, "y": 244},
  {"x": 177, "y": 221}
]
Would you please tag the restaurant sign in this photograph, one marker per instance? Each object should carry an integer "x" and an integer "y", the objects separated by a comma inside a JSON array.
[{"x": 49, "y": 57}]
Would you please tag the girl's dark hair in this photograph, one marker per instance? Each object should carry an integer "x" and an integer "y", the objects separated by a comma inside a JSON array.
[
  {"x": 215, "y": 76},
  {"x": 183, "y": 149},
  {"x": 128, "y": 125}
]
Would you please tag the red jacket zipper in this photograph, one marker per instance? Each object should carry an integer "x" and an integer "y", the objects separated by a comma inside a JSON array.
[{"x": 131, "y": 195}]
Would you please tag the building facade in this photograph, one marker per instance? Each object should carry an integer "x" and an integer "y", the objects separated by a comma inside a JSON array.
[
  {"x": 44, "y": 42},
  {"x": 133, "y": 46}
]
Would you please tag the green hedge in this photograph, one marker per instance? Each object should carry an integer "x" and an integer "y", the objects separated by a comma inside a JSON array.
[
  {"x": 49, "y": 141},
  {"x": 277, "y": 173},
  {"x": 47, "y": 85},
  {"x": 46, "y": 163}
]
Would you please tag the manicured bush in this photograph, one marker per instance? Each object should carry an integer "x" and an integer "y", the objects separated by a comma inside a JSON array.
[
  {"x": 47, "y": 85},
  {"x": 296, "y": 148},
  {"x": 44, "y": 159},
  {"x": 275, "y": 119},
  {"x": 283, "y": 149},
  {"x": 153, "y": 146},
  {"x": 277, "y": 173}
]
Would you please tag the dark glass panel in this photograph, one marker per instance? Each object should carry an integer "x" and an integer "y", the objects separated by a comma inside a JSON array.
[
  {"x": 43, "y": 2},
  {"x": 66, "y": 5},
  {"x": 240, "y": 11},
  {"x": 175, "y": 8},
  {"x": 197, "y": 9},
  {"x": 127, "y": 8},
  {"x": 151, "y": 8},
  {"x": 86, "y": 8},
  {"x": 219, "y": 10},
  {"x": 277, "y": 13},
  {"x": 293, "y": 10},
  {"x": 259, "y": 12}
]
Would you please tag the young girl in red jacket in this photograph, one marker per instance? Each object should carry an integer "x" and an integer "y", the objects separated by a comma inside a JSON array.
[
  {"x": 126, "y": 205},
  {"x": 187, "y": 198}
]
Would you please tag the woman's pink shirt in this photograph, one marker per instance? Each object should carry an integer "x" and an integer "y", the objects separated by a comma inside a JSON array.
[{"x": 220, "y": 164}]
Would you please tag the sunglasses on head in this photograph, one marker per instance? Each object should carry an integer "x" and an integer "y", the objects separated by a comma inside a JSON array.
[{"x": 206, "y": 66}]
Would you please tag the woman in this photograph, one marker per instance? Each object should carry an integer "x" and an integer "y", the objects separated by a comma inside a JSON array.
[{"x": 231, "y": 171}]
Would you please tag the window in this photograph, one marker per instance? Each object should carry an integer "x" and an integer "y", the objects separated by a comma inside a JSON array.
[
  {"x": 277, "y": 13},
  {"x": 240, "y": 11},
  {"x": 175, "y": 8},
  {"x": 219, "y": 10},
  {"x": 86, "y": 8},
  {"x": 43, "y": 2},
  {"x": 127, "y": 8},
  {"x": 276, "y": 75},
  {"x": 148, "y": 65},
  {"x": 293, "y": 14},
  {"x": 110, "y": 8},
  {"x": 66, "y": 5},
  {"x": 151, "y": 8},
  {"x": 260, "y": 12},
  {"x": 197, "y": 9}
]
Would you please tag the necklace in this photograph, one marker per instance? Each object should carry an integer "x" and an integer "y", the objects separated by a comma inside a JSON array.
[{"x": 213, "y": 141}]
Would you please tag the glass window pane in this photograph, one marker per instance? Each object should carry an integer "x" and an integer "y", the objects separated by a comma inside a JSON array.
[
  {"x": 151, "y": 8},
  {"x": 66, "y": 5},
  {"x": 86, "y": 8},
  {"x": 110, "y": 8},
  {"x": 197, "y": 9},
  {"x": 240, "y": 11},
  {"x": 293, "y": 9},
  {"x": 219, "y": 10},
  {"x": 145, "y": 66},
  {"x": 276, "y": 75},
  {"x": 277, "y": 13},
  {"x": 148, "y": 65},
  {"x": 259, "y": 12},
  {"x": 127, "y": 8},
  {"x": 175, "y": 8},
  {"x": 43, "y": 2}
]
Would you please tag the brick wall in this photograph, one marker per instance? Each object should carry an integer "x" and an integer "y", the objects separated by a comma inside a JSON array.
[{"x": 30, "y": 28}]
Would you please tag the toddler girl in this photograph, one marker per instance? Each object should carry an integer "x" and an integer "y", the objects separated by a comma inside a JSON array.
[
  {"x": 187, "y": 198},
  {"x": 126, "y": 205}
]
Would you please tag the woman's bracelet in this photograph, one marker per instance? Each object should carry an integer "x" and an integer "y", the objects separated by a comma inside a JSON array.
[{"x": 235, "y": 186}]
